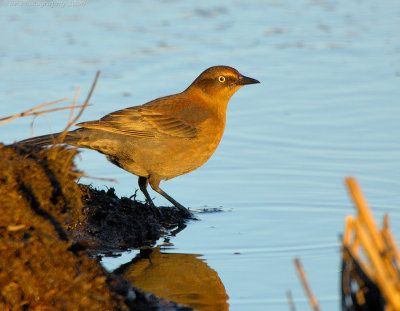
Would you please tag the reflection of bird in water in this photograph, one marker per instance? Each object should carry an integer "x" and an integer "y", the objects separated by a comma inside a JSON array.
[
  {"x": 183, "y": 278},
  {"x": 166, "y": 137}
]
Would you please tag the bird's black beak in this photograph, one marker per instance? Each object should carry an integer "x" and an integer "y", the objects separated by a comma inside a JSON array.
[{"x": 243, "y": 80}]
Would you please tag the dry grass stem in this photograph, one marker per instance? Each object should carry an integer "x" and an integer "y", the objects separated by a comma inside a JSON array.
[
  {"x": 101, "y": 178},
  {"x": 29, "y": 112},
  {"x": 289, "y": 296},
  {"x": 71, "y": 115},
  {"x": 83, "y": 107},
  {"x": 55, "y": 109},
  {"x": 306, "y": 285}
]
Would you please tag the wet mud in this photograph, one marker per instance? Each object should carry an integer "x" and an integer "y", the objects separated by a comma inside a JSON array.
[
  {"x": 51, "y": 228},
  {"x": 111, "y": 224}
]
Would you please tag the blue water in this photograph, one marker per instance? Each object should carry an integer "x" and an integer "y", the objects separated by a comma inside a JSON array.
[{"x": 327, "y": 107}]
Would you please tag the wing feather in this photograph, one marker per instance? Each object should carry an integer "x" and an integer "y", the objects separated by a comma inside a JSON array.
[{"x": 144, "y": 122}]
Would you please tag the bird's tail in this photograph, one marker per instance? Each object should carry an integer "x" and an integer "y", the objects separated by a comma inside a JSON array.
[{"x": 44, "y": 140}]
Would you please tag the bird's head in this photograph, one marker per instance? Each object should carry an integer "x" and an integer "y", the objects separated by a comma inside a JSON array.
[{"x": 221, "y": 82}]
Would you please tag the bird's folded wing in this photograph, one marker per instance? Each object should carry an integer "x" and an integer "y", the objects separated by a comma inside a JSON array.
[{"x": 142, "y": 122}]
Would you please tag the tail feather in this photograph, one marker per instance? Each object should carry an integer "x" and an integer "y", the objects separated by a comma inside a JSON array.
[{"x": 43, "y": 140}]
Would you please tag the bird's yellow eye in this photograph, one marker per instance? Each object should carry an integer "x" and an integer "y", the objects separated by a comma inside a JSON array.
[{"x": 221, "y": 79}]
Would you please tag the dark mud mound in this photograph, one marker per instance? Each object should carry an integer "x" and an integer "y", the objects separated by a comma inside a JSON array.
[
  {"x": 112, "y": 224},
  {"x": 41, "y": 268}
]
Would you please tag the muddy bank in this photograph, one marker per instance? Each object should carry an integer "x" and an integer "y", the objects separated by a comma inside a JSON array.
[
  {"x": 46, "y": 232},
  {"x": 112, "y": 224}
]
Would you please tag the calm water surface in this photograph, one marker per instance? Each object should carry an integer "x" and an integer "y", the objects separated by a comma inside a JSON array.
[{"x": 327, "y": 107}]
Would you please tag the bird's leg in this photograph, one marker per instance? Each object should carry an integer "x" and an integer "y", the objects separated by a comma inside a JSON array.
[
  {"x": 143, "y": 182},
  {"x": 155, "y": 185}
]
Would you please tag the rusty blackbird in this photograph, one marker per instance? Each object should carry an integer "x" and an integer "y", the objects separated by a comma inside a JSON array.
[{"x": 166, "y": 137}]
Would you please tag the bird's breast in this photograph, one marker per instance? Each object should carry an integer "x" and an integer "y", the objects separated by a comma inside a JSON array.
[{"x": 179, "y": 156}]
